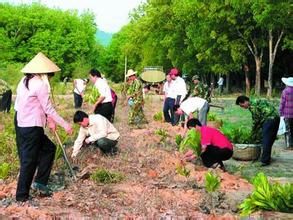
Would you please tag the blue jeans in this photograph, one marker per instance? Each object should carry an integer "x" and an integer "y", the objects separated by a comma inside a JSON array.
[
  {"x": 168, "y": 110},
  {"x": 269, "y": 134}
]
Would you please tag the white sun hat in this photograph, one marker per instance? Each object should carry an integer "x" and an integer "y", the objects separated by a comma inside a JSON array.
[
  {"x": 40, "y": 64},
  {"x": 130, "y": 72},
  {"x": 288, "y": 81}
]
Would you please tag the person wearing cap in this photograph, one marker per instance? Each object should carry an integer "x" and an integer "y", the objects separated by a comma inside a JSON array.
[
  {"x": 265, "y": 119},
  {"x": 286, "y": 110},
  {"x": 200, "y": 89},
  {"x": 33, "y": 111},
  {"x": 5, "y": 96},
  {"x": 78, "y": 92},
  {"x": 179, "y": 89},
  {"x": 103, "y": 105},
  {"x": 135, "y": 99}
]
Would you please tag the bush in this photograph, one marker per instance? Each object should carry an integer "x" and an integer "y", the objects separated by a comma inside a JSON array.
[
  {"x": 267, "y": 196},
  {"x": 237, "y": 134}
]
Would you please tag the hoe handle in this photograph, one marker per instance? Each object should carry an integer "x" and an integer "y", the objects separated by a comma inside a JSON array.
[{"x": 65, "y": 156}]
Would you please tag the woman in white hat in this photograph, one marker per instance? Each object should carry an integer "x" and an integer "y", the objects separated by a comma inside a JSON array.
[
  {"x": 286, "y": 110},
  {"x": 33, "y": 110}
]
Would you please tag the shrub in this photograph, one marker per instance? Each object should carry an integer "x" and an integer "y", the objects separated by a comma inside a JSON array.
[
  {"x": 238, "y": 134},
  {"x": 267, "y": 196}
]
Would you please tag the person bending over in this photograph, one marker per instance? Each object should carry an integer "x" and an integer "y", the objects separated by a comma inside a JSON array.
[
  {"x": 215, "y": 146},
  {"x": 95, "y": 129}
]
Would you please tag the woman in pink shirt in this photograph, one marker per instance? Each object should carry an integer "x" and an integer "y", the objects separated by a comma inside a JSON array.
[
  {"x": 215, "y": 147},
  {"x": 33, "y": 110}
]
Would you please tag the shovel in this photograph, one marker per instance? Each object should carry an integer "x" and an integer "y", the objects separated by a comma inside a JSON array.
[{"x": 65, "y": 156}]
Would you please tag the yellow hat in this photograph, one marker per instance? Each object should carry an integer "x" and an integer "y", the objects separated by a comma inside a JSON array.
[
  {"x": 40, "y": 64},
  {"x": 130, "y": 73}
]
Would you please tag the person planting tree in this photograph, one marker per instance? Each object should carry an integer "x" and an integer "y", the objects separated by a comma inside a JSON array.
[
  {"x": 265, "y": 124},
  {"x": 215, "y": 146},
  {"x": 33, "y": 110},
  {"x": 95, "y": 129}
]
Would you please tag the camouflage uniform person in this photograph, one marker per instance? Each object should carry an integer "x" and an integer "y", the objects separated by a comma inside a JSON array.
[
  {"x": 135, "y": 100},
  {"x": 200, "y": 89},
  {"x": 5, "y": 96},
  {"x": 265, "y": 124}
]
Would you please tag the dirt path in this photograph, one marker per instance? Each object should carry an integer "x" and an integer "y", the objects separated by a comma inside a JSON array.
[{"x": 151, "y": 188}]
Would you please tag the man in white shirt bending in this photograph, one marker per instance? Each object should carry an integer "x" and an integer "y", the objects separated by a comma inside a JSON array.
[
  {"x": 78, "y": 92},
  {"x": 103, "y": 105},
  {"x": 191, "y": 105},
  {"x": 95, "y": 129}
]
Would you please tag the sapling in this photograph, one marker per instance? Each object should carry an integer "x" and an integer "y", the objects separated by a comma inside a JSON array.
[
  {"x": 212, "y": 184},
  {"x": 163, "y": 135},
  {"x": 106, "y": 176},
  {"x": 158, "y": 116},
  {"x": 191, "y": 141},
  {"x": 182, "y": 170}
]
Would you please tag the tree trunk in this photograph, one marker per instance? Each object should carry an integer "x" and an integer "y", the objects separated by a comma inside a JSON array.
[
  {"x": 257, "y": 74},
  {"x": 247, "y": 81},
  {"x": 272, "y": 55},
  {"x": 227, "y": 83}
]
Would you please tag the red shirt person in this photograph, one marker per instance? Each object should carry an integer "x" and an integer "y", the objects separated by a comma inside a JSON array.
[{"x": 215, "y": 146}]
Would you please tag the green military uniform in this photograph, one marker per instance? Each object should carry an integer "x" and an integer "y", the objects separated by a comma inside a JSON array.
[
  {"x": 136, "y": 115},
  {"x": 261, "y": 110},
  {"x": 202, "y": 90},
  {"x": 3, "y": 87},
  {"x": 5, "y": 96}
]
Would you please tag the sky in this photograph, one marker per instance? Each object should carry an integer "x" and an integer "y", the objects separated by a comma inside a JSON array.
[{"x": 111, "y": 15}]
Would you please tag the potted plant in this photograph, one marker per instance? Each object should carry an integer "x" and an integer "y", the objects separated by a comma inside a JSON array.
[{"x": 245, "y": 147}]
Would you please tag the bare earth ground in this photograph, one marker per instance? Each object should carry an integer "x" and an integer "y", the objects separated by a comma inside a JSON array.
[{"x": 151, "y": 188}]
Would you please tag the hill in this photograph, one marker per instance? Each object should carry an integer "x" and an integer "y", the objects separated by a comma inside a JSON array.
[{"x": 103, "y": 37}]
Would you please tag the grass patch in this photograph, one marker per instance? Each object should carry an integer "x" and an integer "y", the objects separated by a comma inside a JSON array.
[{"x": 106, "y": 176}]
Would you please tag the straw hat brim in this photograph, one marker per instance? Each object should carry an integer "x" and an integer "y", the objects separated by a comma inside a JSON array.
[
  {"x": 130, "y": 73},
  {"x": 40, "y": 64}
]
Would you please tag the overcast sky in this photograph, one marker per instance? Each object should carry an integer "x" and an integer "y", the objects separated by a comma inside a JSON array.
[{"x": 111, "y": 15}]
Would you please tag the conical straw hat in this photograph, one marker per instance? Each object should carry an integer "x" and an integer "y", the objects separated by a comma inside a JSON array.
[{"x": 40, "y": 64}]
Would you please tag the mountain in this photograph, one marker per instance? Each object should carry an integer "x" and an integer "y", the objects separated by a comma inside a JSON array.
[{"x": 103, "y": 37}]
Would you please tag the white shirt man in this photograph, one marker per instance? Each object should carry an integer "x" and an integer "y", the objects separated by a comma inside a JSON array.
[
  {"x": 191, "y": 105},
  {"x": 97, "y": 129},
  {"x": 104, "y": 89},
  {"x": 103, "y": 105}
]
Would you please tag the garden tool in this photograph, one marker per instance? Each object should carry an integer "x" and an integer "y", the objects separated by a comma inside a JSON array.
[{"x": 65, "y": 156}]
